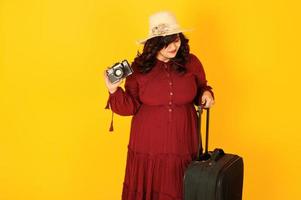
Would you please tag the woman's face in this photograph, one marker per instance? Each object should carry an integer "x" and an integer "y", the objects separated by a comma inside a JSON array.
[{"x": 171, "y": 50}]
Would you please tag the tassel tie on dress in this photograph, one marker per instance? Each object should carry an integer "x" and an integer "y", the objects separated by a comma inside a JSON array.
[{"x": 108, "y": 107}]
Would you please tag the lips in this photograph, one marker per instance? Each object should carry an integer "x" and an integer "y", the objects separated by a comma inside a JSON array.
[{"x": 172, "y": 51}]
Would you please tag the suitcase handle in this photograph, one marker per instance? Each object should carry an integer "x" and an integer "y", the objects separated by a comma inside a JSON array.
[
  {"x": 200, "y": 155},
  {"x": 217, "y": 154}
]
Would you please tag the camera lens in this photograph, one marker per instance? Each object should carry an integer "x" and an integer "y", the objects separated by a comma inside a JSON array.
[{"x": 118, "y": 73}]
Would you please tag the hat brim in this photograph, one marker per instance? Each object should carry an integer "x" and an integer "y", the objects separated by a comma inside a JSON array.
[{"x": 143, "y": 41}]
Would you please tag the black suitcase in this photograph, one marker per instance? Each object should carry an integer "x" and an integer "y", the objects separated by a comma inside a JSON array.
[{"x": 214, "y": 175}]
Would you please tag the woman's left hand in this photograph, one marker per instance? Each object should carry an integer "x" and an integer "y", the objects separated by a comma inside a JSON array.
[{"x": 207, "y": 99}]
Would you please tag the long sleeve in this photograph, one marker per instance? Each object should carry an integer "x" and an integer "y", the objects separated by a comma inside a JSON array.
[
  {"x": 199, "y": 72},
  {"x": 125, "y": 102}
]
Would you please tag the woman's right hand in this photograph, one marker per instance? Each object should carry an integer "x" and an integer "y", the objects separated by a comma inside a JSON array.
[{"x": 112, "y": 87}]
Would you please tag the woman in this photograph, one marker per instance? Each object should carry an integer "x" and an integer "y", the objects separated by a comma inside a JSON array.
[{"x": 161, "y": 93}]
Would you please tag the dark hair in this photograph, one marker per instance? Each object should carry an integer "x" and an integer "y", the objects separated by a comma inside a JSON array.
[{"x": 146, "y": 60}]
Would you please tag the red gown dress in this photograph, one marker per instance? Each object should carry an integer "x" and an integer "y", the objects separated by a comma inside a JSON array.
[{"x": 163, "y": 135}]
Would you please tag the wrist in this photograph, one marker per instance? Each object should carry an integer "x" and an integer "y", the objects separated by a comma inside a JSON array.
[{"x": 113, "y": 90}]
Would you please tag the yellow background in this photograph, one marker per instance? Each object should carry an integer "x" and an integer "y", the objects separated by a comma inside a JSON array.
[{"x": 54, "y": 139}]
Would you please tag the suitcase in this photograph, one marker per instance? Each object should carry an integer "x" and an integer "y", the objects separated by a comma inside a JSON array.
[{"x": 214, "y": 175}]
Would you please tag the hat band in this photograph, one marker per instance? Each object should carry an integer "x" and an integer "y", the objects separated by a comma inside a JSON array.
[{"x": 163, "y": 29}]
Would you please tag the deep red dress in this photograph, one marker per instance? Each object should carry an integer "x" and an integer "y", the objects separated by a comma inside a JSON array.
[{"x": 163, "y": 137}]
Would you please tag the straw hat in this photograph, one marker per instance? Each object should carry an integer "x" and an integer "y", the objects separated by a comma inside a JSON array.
[{"x": 162, "y": 24}]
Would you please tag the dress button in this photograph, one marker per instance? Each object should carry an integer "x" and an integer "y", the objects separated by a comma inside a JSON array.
[
  {"x": 170, "y": 83},
  {"x": 169, "y": 109},
  {"x": 170, "y": 103},
  {"x": 171, "y": 93}
]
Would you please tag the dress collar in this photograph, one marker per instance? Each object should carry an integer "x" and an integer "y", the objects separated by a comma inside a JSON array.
[{"x": 162, "y": 63}]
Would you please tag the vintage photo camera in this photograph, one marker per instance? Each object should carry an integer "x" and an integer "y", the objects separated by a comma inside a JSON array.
[{"x": 119, "y": 71}]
